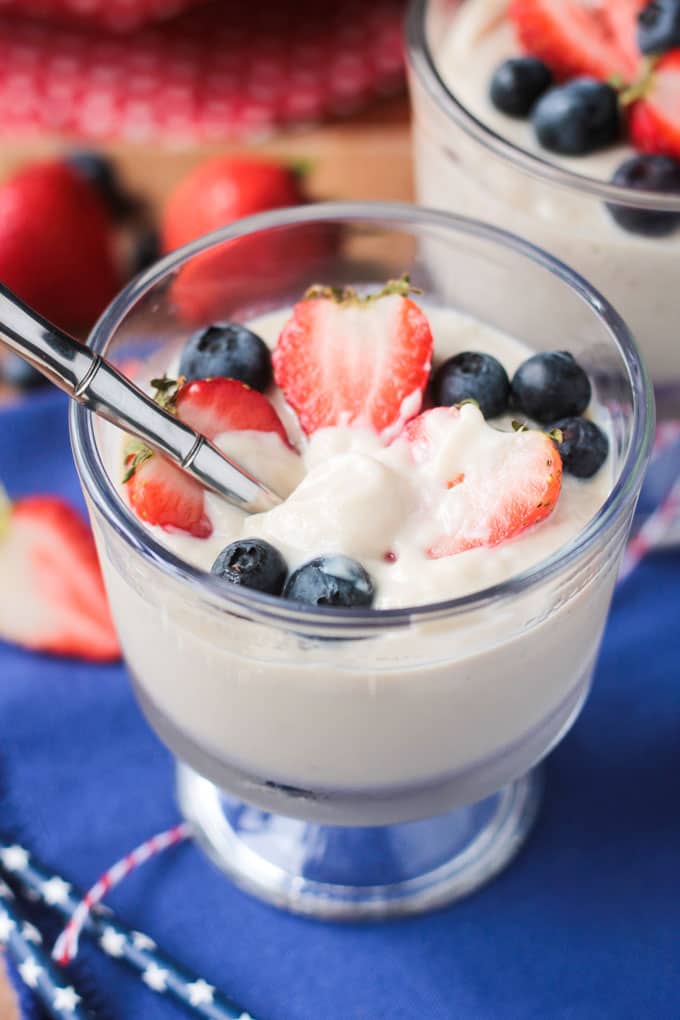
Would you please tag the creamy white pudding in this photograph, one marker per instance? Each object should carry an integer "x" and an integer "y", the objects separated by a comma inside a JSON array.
[{"x": 461, "y": 170}]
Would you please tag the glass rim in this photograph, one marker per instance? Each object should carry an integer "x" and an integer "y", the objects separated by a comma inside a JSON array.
[
  {"x": 108, "y": 502},
  {"x": 423, "y": 64}
]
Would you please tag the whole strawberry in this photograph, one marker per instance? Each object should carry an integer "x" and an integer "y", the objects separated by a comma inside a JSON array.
[
  {"x": 224, "y": 189},
  {"x": 56, "y": 244},
  {"x": 213, "y": 195}
]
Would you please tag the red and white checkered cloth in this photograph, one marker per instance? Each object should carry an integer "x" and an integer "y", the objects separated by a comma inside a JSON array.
[
  {"x": 113, "y": 15},
  {"x": 222, "y": 71}
]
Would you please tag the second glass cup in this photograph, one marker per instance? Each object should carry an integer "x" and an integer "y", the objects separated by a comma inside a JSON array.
[
  {"x": 350, "y": 763},
  {"x": 463, "y": 164}
]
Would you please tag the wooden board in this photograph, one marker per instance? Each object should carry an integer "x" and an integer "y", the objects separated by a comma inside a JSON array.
[{"x": 367, "y": 157}]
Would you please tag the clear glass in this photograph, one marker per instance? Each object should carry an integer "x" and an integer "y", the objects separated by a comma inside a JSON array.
[
  {"x": 352, "y": 762},
  {"x": 462, "y": 165}
]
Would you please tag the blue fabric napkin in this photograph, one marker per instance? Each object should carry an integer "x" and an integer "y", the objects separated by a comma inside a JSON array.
[{"x": 585, "y": 925}]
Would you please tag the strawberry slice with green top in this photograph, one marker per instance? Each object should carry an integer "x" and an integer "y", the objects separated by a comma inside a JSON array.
[
  {"x": 489, "y": 486},
  {"x": 52, "y": 598},
  {"x": 654, "y": 120},
  {"x": 215, "y": 406},
  {"x": 578, "y": 37},
  {"x": 160, "y": 493},
  {"x": 348, "y": 360}
]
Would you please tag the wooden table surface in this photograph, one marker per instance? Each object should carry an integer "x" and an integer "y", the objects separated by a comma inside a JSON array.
[{"x": 367, "y": 157}]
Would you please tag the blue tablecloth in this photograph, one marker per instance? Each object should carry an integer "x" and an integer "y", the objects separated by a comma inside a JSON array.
[{"x": 584, "y": 925}]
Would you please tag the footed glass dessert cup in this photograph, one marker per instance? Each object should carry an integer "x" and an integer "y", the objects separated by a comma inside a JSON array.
[
  {"x": 472, "y": 160},
  {"x": 348, "y": 763}
]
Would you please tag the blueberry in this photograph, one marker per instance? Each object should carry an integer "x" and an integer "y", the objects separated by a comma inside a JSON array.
[
  {"x": 659, "y": 26},
  {"x": 252, "y": 563},
  {"x": 584, "y": 447},
  {"x": 550, "y": 386},
  {"x": 330, "y": 581},
  {"x": 102, "y": 174},
  {"x": 230, "y": 350},
  {"x": 18, "y": 373},
  {"x": 517, "y": 84},
  {"x": 647, "y": 173},
  {"x": 578, "y": 117},
  {"x": 472, "y": 376},
  {"x": 146, "y": 250}
]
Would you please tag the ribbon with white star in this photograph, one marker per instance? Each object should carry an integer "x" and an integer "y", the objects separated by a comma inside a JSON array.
[
  {"x": 22, "y": 943},
  {"x": 159, "y": 972}
]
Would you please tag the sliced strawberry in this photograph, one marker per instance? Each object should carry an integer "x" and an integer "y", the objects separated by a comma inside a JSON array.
[
  {"x": 52, "y": 598},
  {"x": 344, "y": 360},
  {"x": 495, "y": 484},
  {"x": 622, "y": 16},
  {"x": 214, "y": 406},
  {"x": 654, "y": 122},
  {"x": 574, "y": 37},
  {"x": 161, "y": 493}
]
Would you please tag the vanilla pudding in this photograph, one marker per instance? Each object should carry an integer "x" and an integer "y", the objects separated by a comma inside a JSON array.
[
  {"x": 407, "y": 721},
  {"x": 466, "y": 160},
  {"x": 303, "y": 728}
]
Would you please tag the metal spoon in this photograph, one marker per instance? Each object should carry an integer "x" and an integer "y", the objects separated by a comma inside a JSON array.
[{"x": 93, "y": 381}]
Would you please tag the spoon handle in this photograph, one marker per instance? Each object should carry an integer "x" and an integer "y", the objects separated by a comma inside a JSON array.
[{"x": 94, "y": 382}]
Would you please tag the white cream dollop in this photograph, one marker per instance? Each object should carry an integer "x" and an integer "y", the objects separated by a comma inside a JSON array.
[{"x": 351, "y": 503}]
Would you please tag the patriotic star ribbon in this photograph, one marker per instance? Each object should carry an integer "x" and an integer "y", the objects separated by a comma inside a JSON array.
[
  {"x": 158, "y": 971},
  {"x": 22, "y": 943},
  {"x": 663, "y": 524}
]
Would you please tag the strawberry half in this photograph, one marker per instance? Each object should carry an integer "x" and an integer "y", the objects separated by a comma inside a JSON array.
[
  {"x": 355, "y": 361},
  {"x": 52, "y": 598},
  {"x": 654, "y": 121},
  {"x": 500, "y": 484},
  {"x": 576, "y": 37},
  {"x": 161, "y": 493},
  {"x": 214, "y": 406},
  {"x": 622, "y": 16}
]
